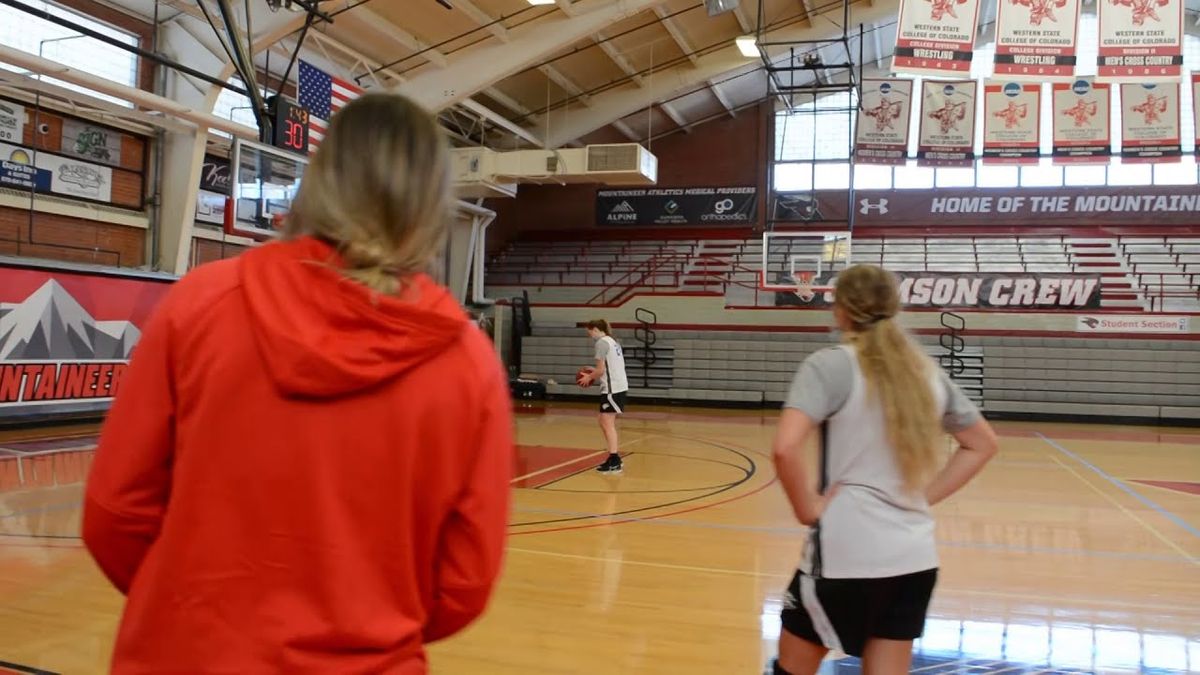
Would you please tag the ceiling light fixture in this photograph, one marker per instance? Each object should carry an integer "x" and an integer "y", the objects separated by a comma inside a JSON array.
[
  {"x": 541, "y": 2},
  {"x": 748, "y": 46}
]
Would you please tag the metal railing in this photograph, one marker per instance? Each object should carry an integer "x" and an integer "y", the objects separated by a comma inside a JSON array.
[{"x": 46, "y": 468}]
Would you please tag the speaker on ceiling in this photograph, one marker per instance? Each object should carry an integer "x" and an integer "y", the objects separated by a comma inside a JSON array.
[{"x": 716, "y": 7}]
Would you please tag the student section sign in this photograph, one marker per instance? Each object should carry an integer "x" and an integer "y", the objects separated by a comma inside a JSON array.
[{"x": 66, "y": 337}]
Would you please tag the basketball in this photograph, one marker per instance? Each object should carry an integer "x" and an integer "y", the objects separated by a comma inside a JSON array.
[{"x": 584, "y": 372}]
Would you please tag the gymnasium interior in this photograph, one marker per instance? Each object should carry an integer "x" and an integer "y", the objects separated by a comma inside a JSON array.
[{"x": 696, "y": 173}]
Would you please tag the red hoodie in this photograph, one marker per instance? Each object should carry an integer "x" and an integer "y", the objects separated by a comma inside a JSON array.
[{"x": 300, "y": 475}]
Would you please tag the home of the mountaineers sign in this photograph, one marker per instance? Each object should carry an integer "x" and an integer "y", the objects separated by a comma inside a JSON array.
[{"x": 1029, "y": 207}]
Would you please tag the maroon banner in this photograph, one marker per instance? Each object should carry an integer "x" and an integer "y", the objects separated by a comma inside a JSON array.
[
  {"x": 969, "y": 290},
  {"x": 1018, "y": 207},
  {"x": 66, "y": 337}
]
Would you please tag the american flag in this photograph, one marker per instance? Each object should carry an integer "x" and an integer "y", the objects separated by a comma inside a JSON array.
[{"x": 323, "y": 95}]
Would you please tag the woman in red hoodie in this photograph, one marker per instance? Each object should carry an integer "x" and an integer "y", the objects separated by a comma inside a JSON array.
[{"x": 306, "y": 469}]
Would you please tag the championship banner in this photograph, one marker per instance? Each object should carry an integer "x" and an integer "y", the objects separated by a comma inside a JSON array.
[
  {"x": 1140, "y": 40},
  {"x": 935, "y": 37},
  {"x": 970, "y": 290},
  {"x": 947, "y": 129},
  {"x": 1011, "y": 112},
  {"x": 67, "y": 337},
  {"x": 881, "y": 134},
  {"x": 1196, "y": 108},
  {"x": 1037, "y": 39},
  {"x": 677, "y": 206},
  {"x": 1081, "y": 124},
  {"x": 1150, "y": 121}
]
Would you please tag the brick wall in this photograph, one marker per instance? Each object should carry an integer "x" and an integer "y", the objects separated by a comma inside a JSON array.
[
  {"x": 67, "y": 239},
  {"x": 207, "y": 250}
]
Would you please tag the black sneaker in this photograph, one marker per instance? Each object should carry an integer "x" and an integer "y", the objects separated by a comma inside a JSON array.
[{"x": 612, "y": 465}]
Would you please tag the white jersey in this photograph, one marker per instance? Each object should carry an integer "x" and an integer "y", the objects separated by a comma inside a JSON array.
[
  {"x": 874, "y": 527},
  {"x": 614, "y": 381}
]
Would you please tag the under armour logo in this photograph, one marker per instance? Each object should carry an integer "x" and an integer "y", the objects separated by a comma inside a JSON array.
[{"x": 866, "y": 206}]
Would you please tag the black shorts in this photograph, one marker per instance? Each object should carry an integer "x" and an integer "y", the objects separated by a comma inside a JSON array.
[
  {"x": 843, "y": 614},
  {"x": 613, "y": 403}
]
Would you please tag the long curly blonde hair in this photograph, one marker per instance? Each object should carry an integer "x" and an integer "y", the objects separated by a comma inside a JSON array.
[{"x": 896, "y": 369}]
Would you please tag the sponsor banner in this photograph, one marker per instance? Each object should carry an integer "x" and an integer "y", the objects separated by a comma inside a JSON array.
[
  {"x": 210, "y": 208},
  {"x": 12, "y": 122},
  {"x": 1081, "y": 130},
  {"x": 881, "y": 135},
  {"x": 1113, "y": 323},
  {"x": 677, "y": 206},
  {"x": 1140, "y": 40},
  {"x": 935, "y": 37},
  {"x": 967, "y": 290},
  {"x": 947, "y": 129},
  {"x": 91, "y": 142},
  {"x": 23, "y": 177},
  {"x": 1011, "y": 111},
  {"x": 67, "y": 176},
  {"x": 1149, "y": 205},
  {"x": 1150, "y": 121},
  {"x": 1196, "y": 108},
  {"x": 215, "y": 175},
  {"x": 1036, "y": 39},
  {"x": 66, "y": 338}
]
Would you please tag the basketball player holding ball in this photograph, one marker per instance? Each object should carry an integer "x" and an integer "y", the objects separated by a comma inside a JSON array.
[
  {"x": 610, "y": 372},
  {"x": 882, "y": 405}
]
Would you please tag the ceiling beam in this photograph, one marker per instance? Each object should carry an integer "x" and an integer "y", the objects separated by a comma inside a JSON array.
[
  {"x": 670, "y": 83},
  {"x": 622, "y": 127},
  {"x": 715, "y": 88},
  {"x": 565, "y": 6},
  {"x": 740, "y": 14},
  {"x": 619, "y": 59},
  {"x": 483, "y": 19},
  {"x": 808, "y": 11},
  {"x": 675, "y": 116},
  {"x": 367, "y": 17},
  {"x": 566, "y": 84},
  {"x": 680, "y": 39},
  {"x": 480, "y": 67}
]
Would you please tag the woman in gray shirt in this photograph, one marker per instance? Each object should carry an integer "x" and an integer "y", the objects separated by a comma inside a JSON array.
[{"x": 882, "y": 405}]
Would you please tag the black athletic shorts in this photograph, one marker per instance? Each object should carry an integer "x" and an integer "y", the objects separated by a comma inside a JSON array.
[
  {"x": 844, "y": 613},
  {"x": 613, "y": 403}
]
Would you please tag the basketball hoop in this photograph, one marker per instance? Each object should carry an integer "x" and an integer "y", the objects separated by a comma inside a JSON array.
[{"x": 804, "y": 286}]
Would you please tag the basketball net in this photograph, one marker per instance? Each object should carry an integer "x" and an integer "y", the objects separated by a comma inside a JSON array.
[{"x": 804, "y": 287}]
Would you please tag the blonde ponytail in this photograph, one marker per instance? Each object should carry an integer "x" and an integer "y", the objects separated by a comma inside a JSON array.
[
  {"x": 896, "y": 369},
  {"x": 378, "y": 190}
]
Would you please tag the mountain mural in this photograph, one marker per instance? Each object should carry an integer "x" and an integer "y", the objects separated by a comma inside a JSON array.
[{"x": 51, "y": 325}]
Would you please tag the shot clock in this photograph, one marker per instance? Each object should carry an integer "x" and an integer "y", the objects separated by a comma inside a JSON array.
[{"x": 290, "y": 130}]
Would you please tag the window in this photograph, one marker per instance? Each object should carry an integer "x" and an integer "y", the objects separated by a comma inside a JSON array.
[
  {"x": 998, "y": 176},
  {"x": 819, "y": 129},
  {"x": 234, "y": 106},
  {"x": 33, "y": 35}
]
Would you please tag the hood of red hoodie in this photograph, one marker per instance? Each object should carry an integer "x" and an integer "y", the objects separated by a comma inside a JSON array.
[{"x": 324, "y": 335}]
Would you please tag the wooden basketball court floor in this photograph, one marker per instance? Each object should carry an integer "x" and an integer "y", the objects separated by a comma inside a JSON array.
[{"x": 1078, "y": 550}]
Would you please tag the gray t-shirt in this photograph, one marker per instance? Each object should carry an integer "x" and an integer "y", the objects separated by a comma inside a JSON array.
[
  {"x": 876, "y": 526},
  {"x": 822, "y": 386}
]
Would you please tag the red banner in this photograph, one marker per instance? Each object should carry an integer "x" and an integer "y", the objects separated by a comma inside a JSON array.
[
  {"x": 1011, "y": 129},
  {"x": 1037, "y": 39},
  {"x": 1140, "y": 40},
  {"x": 66, "y": 337},
  {"x": 936, "y": 36}
]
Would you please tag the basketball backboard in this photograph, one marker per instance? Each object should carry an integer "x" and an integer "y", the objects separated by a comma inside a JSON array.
[
  {"x": 267, "y": 182},
  {"x": 807, "y": 260}
]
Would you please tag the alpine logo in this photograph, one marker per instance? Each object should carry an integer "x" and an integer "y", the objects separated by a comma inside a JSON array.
[
  {"x": 623, "y": 213},
  {"x": 623, "y": 207},
  {"x": 867, "y": 206}
]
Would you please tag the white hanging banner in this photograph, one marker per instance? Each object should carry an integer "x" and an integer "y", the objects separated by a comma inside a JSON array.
[
  {"x": 1140, "y": 40},
  {"x": 935, "y": 37},
  {"x": 1037, "y": 39},
  {"x": 12, "y": 122},
  {"x": 1150, "y": 121},
  {"x": 881, "y": 134},
  {"x": 947, "y": 129},
  {"x": 1011, "y": 133},
  {"x": 1082, "y": 132},
  {"x": 1196, "y": 106}
]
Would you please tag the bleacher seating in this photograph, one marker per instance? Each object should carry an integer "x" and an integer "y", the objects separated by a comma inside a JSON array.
[
  {"x": 1149, "y": 379},
  {"x": 1137, "y": 273}
]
